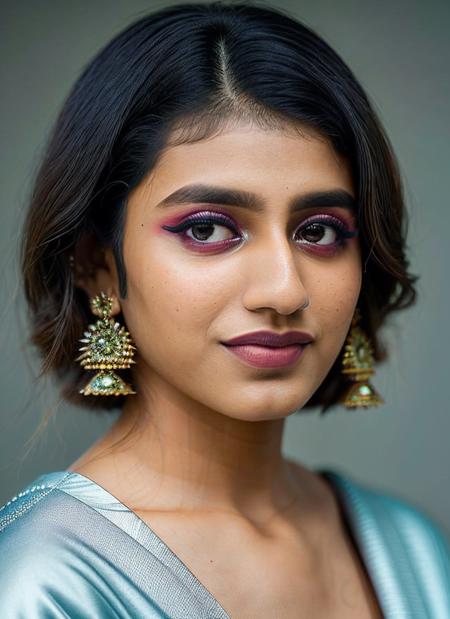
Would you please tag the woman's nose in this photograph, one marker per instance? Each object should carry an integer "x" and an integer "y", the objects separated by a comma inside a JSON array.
[{"x": 273, "y": 278}]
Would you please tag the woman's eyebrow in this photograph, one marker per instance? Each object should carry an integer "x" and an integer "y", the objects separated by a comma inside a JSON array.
[{"x": 199, "y": 193}]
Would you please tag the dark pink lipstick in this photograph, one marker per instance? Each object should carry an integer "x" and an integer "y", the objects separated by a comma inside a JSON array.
[
  {"x": 270, "y": 338},
  {"x": 266, "y": 349}
]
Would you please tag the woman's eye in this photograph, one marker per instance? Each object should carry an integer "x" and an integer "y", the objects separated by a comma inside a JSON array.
[
  {"x": 211, "y": 232},
  {"x": 320, "y": 234},
  {"x": 202, "y": 232},
  {"x": 324, "y": 234}
]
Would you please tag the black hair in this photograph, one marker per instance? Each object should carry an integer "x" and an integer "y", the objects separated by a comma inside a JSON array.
[{"x": 178, "y": 75}]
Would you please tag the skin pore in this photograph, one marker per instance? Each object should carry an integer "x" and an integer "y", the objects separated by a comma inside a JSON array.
[{"x": 204, "y": 447}]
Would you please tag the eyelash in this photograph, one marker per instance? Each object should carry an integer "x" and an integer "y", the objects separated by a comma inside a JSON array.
[{"x": 322, "y": 219}]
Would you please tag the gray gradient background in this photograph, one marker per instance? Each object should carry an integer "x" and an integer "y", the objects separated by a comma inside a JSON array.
[{"x": 400, "y": 53}]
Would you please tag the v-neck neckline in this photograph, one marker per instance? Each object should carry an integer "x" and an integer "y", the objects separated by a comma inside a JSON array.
[{"x": 98, "y": 498}]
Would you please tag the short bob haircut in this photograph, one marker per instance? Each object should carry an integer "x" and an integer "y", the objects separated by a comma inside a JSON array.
[{"x": 178, "y": 75}]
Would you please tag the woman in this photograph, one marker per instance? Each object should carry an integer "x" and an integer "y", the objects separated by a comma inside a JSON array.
[{"x": 219, "y": 219}]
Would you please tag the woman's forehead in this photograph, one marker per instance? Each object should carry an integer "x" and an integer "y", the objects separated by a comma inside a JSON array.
[{"x": 249, "y": 159}]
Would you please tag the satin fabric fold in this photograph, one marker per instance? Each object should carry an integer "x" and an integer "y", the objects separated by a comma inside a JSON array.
[{"x": 68, "y": 548}]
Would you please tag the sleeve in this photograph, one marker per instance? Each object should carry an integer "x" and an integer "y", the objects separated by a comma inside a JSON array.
[
  {"x": 37, "y": 581},
  {"x": 429, "y": 550},
  {"x": 30, "y": 586},
  {"x": 424, "y": 547}
]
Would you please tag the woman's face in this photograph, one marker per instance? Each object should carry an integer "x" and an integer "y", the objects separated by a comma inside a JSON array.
[{"x": 242, "y": 270}]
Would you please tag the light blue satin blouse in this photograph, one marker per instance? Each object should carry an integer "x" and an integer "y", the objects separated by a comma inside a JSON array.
[{"x": 68, "y": 548}]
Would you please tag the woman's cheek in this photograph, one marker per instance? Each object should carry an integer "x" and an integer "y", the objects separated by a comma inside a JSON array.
[{"x": 337, "y": 298}]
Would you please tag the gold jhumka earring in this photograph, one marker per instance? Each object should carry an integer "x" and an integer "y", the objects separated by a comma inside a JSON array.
[
  {"x": 107, "y": 347},
  {"x": 357, "y": 362}
]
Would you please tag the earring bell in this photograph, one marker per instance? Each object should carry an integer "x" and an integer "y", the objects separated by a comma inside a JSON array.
[
  {"x": 357, "y": 362},
  {"x": 107, "y": 346}
]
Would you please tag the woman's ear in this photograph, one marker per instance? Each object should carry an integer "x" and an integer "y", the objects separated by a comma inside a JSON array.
[{"x": 95, "y": 270}]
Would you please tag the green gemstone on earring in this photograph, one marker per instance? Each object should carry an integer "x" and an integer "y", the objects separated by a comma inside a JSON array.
[
  {"x": 105, "y": 383},
  {"x": 365, "y": 390}
]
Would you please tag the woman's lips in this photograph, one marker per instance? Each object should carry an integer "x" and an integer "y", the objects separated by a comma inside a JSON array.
[{"x": 267, "y": 357}]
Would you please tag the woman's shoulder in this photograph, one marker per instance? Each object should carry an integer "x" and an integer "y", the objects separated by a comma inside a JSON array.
[
  {"x": 69, "y": 548},
  {"x": 396, "y": 515},
  {"x": 405, "y": 549},
  {"x": 33, "y": 558},
  {"x": 33, "y": 510},
  {"x": 24, "y": 510},
  {"x": 371, "y": 508}
]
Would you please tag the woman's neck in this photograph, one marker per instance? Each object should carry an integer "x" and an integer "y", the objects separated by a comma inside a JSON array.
[{"x": 177, "y": 455}]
